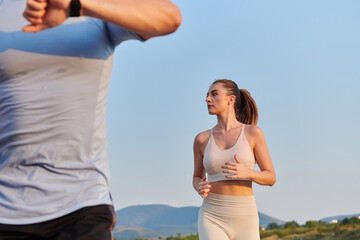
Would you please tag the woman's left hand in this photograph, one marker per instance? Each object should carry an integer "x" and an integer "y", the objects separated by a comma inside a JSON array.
[{"x": 236, "y": 169}]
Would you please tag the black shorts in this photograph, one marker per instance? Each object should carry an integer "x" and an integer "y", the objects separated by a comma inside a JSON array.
[{"x": 95, "y": 223}]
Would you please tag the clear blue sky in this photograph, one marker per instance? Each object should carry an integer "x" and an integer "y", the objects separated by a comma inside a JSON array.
[{"x": 299, "y": 60}]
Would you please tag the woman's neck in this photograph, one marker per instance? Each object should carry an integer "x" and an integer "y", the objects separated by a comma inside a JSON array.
[{"x": 227, "y": 121}]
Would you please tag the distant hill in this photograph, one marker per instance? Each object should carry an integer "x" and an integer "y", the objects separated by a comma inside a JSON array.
[
  {"x": 152, "y": 221},
  {"x": 129, "y": 233},
  {"x": 264, "y": 220},
  {"x": 162, "y": 219},
  {"x": 339, "y": 217}
]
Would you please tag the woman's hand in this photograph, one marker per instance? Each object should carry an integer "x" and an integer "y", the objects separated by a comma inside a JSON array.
[
  {"x": 236, "y": 169},
  {"x": 204, "y": 188}
]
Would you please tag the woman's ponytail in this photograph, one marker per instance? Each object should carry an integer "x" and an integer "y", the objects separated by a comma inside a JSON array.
[
  {"x": 245, "y": 107},
  {"x": 246, "y": 111}
]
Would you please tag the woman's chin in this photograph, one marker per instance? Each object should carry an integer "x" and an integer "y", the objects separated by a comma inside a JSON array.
[{"x": 211, "y": 112}]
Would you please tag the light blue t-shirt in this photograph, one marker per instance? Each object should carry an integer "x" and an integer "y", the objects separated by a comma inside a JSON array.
[{"x": 53, "y": 93}]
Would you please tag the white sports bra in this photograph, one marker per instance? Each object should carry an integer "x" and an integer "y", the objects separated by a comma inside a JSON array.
[{"x": 215, "y": 158}]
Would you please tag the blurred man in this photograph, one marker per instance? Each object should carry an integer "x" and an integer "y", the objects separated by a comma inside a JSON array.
[{"x": 54, "y": 175}]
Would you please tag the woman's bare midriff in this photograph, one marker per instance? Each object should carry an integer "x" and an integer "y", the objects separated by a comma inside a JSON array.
[{"x": 232, "y": 187}]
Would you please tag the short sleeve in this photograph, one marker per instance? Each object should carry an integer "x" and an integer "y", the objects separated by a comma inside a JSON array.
[{"x": 117, "y": 34}]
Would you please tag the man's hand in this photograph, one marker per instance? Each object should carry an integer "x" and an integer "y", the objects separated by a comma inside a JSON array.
[{"x": 43, "y": 14}]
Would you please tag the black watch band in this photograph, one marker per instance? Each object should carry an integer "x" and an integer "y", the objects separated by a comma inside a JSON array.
[{"x": 75, "y": 7}]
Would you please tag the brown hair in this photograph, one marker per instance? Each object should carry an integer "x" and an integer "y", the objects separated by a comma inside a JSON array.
[{"x": 245, "y": 107}]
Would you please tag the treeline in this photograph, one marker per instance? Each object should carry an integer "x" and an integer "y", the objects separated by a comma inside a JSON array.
[
  {"x": 347, "y": 229},
  {"x": 177, "y": 237}
]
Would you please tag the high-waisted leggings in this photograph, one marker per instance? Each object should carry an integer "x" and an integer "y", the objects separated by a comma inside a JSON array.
[{"x": 224, "y": 217}]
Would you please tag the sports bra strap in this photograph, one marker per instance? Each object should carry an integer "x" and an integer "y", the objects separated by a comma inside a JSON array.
[{"x": 242, "y": 129}]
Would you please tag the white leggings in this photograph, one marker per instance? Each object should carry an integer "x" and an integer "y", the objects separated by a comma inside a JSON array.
[{"x": 225, "y": 217}]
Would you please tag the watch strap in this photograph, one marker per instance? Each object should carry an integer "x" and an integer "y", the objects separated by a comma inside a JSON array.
[{"x": 75, "y": 7}]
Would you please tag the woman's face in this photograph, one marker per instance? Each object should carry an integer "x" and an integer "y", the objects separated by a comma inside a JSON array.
[{"x": 217, "y": 99}]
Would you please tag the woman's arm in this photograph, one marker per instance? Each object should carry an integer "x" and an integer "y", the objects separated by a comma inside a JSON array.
[
  {"x": 266, "y": 175},
  {"x": 148, "y": 18},
  {"x": 199, "y": 180}
]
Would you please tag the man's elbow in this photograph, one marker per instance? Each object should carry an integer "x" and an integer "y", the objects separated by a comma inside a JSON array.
[
  {"x": 167, "y": 24},
  {"x": 174, "y": 20}
]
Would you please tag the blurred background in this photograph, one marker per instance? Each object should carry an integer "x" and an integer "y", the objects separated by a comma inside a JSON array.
[{"x": 298, "y": 59}]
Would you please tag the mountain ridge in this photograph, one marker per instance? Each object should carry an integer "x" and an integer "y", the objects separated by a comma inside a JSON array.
[
  {"x": 161, "y": 220},
  {"x": 339, "y": 217}
]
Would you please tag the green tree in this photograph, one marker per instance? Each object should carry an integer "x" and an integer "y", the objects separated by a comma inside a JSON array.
[
  {"x": 291, "y": 225},
  {"x": 322, "y": 223},
  {"x": 178, "y": 237},
  {"x": 192, "y": 237},
  {"x": 272, "y": 225},
  {"x": 345, "y": 221},
  {"x": 311, "y": 224},
  {"x": 354, "y": 220}
]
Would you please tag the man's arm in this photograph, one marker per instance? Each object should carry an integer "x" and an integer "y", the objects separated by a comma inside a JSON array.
[{"x": 148, "y": 18}]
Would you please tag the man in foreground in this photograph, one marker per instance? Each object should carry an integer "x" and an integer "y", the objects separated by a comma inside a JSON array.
[{"x": 54, "y": 175}]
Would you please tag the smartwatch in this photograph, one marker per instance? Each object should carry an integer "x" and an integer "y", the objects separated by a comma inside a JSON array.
[{"x": 75, "y": 7}]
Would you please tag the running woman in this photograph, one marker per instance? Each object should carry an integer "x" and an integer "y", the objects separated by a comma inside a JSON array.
[{"x": 227, "y": 153}]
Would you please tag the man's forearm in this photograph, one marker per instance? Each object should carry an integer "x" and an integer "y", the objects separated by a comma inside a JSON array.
[{"x": 148, "y": 18}]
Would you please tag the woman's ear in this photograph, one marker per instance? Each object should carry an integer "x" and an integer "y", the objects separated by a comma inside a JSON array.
[{"x": 232, "y": 99}]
